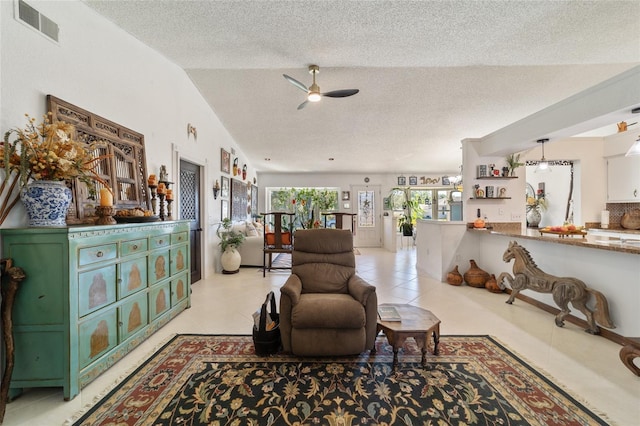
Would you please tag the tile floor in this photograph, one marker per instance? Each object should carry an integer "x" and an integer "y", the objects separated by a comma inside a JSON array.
[{"x": 587, "y": 366}]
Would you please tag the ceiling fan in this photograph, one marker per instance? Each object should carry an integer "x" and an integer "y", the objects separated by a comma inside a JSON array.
[{"x": 313, "y": 92}]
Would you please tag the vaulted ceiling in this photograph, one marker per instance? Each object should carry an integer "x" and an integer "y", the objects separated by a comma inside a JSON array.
[{"x": 430, "y": 73}]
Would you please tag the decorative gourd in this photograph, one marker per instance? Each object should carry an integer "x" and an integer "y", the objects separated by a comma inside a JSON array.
[
  {"x": 475, "y": 276},
  {"x": 492, "y": 285},
  {"x": 454, "y": 277}
]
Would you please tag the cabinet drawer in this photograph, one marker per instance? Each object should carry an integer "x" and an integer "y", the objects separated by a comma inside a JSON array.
[
  {"x": 96, "y": 289},
  {"x": 179, "y": 289},
  {"x": 97, "y": 337},
  {"x": 89, "y": 255},
  {"x": 132, "y": 276},
  {"x": 133, "y": 247},
  {"x": 160, "y": 241},
  {"x": 179, "y": 237},
  {"x": 158, "y": 266},
  {"x": 159, "y": 301},
  {"x": 133, "y": 316},
  {"x": 179, "y": 257}
]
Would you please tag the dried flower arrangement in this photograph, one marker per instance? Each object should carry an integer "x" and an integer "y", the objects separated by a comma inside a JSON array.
[{"x": 44, "y": 151}]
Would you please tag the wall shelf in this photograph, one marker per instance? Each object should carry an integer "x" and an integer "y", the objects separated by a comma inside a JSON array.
[{"x": 496, "y": 177}]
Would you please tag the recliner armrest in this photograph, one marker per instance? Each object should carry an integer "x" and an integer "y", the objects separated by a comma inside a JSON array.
[
  {"x": 359, "y": 289},
  {"x": 292, "y": 288}
]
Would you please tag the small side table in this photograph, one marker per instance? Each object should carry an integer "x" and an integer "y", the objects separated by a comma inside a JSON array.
[
  {"x": 629, "y": 352},
  {"x": 417, "y": 323}
]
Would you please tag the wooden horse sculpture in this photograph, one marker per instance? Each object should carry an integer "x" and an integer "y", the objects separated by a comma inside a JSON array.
[{"x": 527, "y": 275}]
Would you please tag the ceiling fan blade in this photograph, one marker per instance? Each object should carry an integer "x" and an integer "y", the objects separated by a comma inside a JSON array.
[
  {"x": 302, "y": 105},
  {"x": 296, "y": 83},
  {"x": 341, "y": 93}
]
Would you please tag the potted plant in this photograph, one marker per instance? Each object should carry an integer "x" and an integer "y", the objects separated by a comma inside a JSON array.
[
  {"x": 230, "y": 240},
  {"x": 513, "y": 162}
]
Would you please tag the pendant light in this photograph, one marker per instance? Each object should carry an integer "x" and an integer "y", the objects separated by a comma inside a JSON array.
[{"x": 543, "y": 164}]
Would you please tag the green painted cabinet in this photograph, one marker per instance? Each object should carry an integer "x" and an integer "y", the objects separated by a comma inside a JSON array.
[{"x": 92, "y": 294}]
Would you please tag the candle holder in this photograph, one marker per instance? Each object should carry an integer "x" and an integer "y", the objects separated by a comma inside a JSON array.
[
  {"x": 161, "y": 196},
  {"x": 154, "y": 200},
  {"x": 169, "y": 216},
  {"x": 105, "y": 215}
]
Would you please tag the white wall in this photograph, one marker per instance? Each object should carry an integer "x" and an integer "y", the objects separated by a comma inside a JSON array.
[{"x": 103, "y": 69}]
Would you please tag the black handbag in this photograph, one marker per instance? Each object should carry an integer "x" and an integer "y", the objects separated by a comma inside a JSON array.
[{"x": 266, "y": 333}]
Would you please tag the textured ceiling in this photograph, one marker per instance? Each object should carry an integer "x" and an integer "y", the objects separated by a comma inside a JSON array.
[{"x": 430, "y": 73}]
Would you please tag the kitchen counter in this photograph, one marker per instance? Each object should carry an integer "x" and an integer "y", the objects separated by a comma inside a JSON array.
[{"x": 592, "y": 239}]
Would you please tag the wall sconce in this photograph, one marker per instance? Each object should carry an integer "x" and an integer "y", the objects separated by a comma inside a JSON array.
[
  {"x": 216, "y": 189},
  {"x": 543, "y": 165},
  {"x": 191, "y": 130}
]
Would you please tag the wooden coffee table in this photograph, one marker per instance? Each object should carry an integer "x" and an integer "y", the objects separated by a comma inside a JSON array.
[{"x": 417, "y": 323}]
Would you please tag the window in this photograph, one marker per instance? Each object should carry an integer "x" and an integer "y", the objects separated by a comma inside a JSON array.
[{"x": 308, "y": 204}]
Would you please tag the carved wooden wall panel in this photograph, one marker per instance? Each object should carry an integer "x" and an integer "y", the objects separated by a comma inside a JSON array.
[{"x": 125, "y": 171}]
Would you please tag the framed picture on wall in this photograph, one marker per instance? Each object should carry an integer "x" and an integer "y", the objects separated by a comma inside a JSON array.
[
  {"x": 224, "y": 209},
  {"x": 413, "y": 180},
  {"x": 224, "y": 189},
  {"x": 402, "y": 180},
  {"x": 225, "y": 161},
  {"x": 346, "y": 195}
]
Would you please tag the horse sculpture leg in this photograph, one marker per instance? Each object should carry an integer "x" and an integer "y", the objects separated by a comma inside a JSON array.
[
  {"x": 561, "y": 299},
  {"x": 518, "y": 283},
  {"x": 574, "y": 291}
]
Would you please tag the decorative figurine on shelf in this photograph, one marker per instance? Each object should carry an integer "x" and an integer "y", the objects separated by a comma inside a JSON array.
[
  {"x": 164, "y": 176},
  {"x": 244, "y": 172},
  {"x": 235, "y": 166}
]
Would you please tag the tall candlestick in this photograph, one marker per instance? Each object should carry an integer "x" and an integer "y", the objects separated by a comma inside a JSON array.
[{"x": 106, "y": 197}]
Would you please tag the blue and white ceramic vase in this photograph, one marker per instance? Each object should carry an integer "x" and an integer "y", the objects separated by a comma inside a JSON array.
[{"x": 46, "y": 202}]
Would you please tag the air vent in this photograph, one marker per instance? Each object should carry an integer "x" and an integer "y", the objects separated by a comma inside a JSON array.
[{"x": 35, "y": 19}]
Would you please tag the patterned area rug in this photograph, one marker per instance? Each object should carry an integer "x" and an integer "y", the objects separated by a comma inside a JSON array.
[{"x": 218, "y": 380}]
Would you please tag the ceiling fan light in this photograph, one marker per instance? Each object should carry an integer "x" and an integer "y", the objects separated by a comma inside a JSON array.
[{"x": 313, "y": 97}]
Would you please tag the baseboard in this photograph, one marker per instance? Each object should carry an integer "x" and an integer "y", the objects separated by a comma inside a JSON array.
[{"x": 607, "y": 334}]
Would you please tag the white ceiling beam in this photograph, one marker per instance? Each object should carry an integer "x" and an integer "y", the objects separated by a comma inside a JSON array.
[{"x": 603, "y": 104}]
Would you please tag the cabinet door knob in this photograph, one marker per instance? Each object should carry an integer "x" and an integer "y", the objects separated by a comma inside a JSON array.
[
  {"x": 99, "y": 254},
  {"x": 135, "y": 247},
  {"x": 635, "y": 192}
]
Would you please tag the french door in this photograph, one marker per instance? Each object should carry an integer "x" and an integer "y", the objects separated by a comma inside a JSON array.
[
  {"x": 367, "y": 204},
  {"x": 190, "y": 210}
]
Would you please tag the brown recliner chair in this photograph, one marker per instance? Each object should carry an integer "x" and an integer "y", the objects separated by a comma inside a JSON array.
[{"x": 325, "y": 308}]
